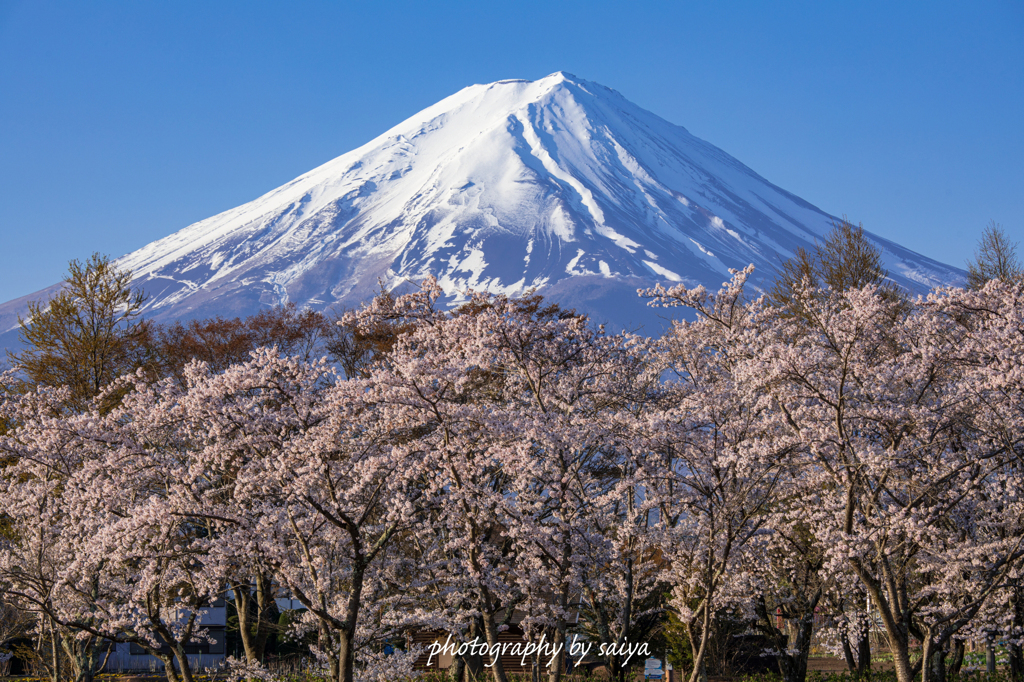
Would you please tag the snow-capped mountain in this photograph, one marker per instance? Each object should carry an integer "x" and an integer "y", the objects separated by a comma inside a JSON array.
[{"x": 559, "y": 185}]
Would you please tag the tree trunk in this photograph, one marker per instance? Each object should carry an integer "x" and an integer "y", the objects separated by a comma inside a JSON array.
[
  {"x": 927, "y": 653},
  {"x": 1016, "y": 655},
  {"x": 491, "y": 633},
  {"x": 266, "y": 607},
  {"x": 169, "y": 671},
  {"x": 346, "y": 657},
  {"x": 797, "y": 637},
  {"x": 794, "y": 666},
  {"x": 700, "y": 671},
  {"x": 558, "y": 640},
  {"x": 55, "y": 651},
  {"x": 899, "y": 640},
  {"x": 959, "y": 648},
  {"x": 78, "y": 656},
  {"x": 864, "y": 647},
  {"x": 326, "y": 642},
  {"x": 254, "y": 643},
  {"x": 84, "y": 656},
  {"x": 901, "y": 661},
  {"x": 179, "y": 654},
  {"x": 474, "y": 664},
  {"x": 241, "y": 594},
  {"x": 939, "y": 664},
  {"x": 347, "y": 635},
  {"x": 851, "y": 662},
  {"x": 555, "y": 671}
]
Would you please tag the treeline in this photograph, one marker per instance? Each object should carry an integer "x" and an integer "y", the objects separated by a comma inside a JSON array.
[
  {"x": 93, "y": 332},
  {"x": 833, "y": 448}
]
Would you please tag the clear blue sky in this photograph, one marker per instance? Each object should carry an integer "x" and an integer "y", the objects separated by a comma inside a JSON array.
[{"x": 121, "y": 122}]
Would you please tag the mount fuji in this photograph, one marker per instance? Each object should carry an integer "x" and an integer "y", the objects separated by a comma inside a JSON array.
[{"x": 559, "y": 185}]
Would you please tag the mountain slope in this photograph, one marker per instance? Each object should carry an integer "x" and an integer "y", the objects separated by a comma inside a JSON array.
[{"x": 558, "y": 184}]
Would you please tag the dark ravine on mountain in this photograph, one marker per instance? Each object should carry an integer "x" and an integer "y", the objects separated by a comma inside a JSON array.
[{"x": 558, "y": 184}]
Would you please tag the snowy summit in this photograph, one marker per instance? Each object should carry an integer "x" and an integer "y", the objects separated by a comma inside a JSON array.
[{"x": 558, "y": 184}]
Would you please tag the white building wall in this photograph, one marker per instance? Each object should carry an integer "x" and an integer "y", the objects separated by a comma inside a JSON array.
[{"x": 214, "y": 617}]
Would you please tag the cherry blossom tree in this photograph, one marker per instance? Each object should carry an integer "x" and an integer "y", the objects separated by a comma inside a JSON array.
[
  {"x": 989, "y": 324},
  {"x": 516, "y": 405},
  {"x": 94, "y": 549},
  {"x": 42, "y": 535},
  {"x": 911, "y": 483},
  {"x": 141, "y": 572},
  {"x": 573, "y": 396},
  {"x": 504, "y": 461},
  {"x": 308, "y": 482},
  {"x": 717, "y": 459},
  {"x": 431, "y": 385}
]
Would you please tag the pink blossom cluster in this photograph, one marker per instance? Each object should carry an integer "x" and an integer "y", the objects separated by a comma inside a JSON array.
[{"x": 506, "y": 460}]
